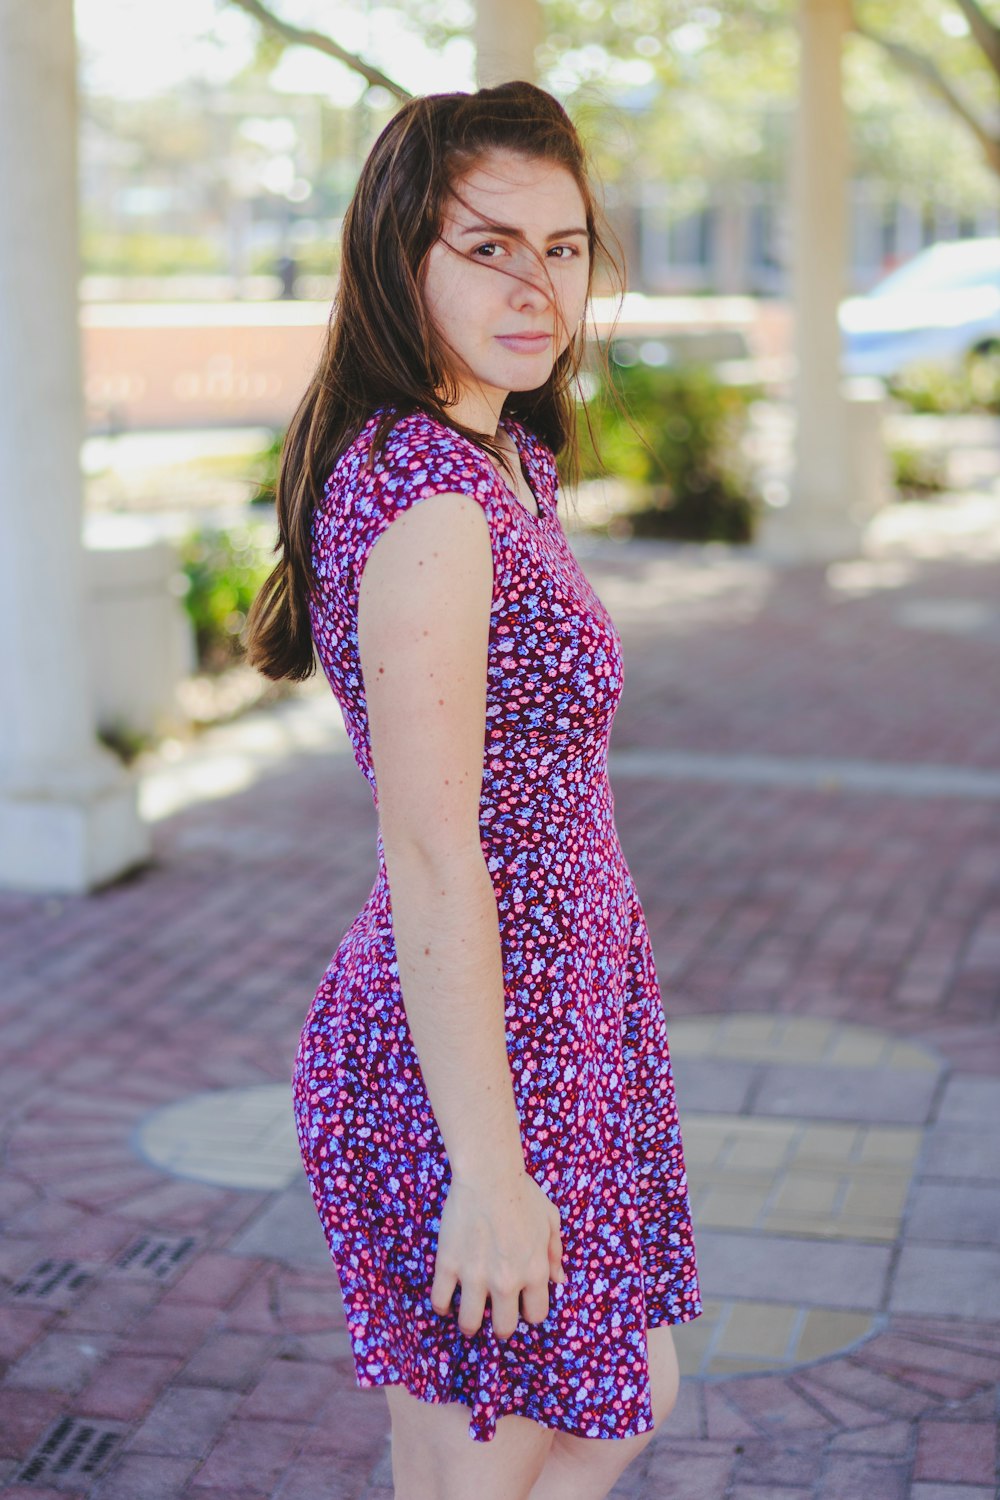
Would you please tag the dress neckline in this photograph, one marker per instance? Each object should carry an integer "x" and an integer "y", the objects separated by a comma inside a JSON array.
[{"x": 514, "y": 430}]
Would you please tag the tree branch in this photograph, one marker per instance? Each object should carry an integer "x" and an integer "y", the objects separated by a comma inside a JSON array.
[
  {"x": 320, "y": 43},
  {"x": 922, "y": 68},
  {"x": 983, "y": 30}
]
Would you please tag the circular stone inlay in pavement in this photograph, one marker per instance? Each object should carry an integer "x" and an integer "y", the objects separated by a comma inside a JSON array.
[
  {"x": 801, "y": 1137},
  {"x": 241, "y": 1138}
]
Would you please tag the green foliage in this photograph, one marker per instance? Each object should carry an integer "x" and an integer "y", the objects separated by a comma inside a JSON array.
[
  {"x": 314, "y": 258},
  {"x": 974, "y": 386},
  {"x": 918, "y": 471},
  {"x": 141, "y": 253},
  {"x": 224, "y": 569},
  {"x": 267, "y": 463},
  {"x": 982, "y": 369},
  {"x": 124, "y": 741},
  {"x": 678, "y": 440}
]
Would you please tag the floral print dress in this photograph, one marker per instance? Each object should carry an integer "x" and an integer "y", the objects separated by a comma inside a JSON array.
[{"x": 586, "y": 1034}]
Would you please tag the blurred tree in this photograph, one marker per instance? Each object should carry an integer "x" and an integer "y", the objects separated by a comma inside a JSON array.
[
  {"x": 297, "y": 36},
  {"x": 714, "y": 66},
  {"x": 692, "y": 92},
  {"x": 969, "y": 88}
]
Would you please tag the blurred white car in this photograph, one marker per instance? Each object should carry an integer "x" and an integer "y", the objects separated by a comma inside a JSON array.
[{"x": 940, "y": 307}]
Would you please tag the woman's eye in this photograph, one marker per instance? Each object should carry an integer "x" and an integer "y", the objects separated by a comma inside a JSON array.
[{"x": 490, "y": 249}]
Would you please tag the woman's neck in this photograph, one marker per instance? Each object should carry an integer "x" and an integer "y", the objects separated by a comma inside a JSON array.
[{"x": 480, "y": 410}]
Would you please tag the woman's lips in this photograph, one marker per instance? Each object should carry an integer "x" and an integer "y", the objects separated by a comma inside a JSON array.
[{"x": 524, "y": 343}]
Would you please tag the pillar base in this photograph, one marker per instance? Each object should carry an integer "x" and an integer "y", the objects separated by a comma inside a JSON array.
[
  {"x": 71, "y": 831},
  {"x": 786, "y": 538},
  {"x": 831, "y": 527}
]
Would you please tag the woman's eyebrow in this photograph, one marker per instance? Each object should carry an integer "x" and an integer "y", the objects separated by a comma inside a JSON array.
[{"x": 558, "y": 234}]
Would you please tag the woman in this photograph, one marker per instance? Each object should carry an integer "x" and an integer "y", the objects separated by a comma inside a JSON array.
[{"x": 483, "y": 1090}]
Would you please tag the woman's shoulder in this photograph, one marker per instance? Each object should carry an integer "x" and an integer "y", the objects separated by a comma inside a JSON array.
[
  {"x": 396, "y": 453},
  {"x": 395, "y": 460}
]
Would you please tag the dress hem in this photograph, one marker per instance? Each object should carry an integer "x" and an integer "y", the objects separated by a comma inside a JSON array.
[
  {"x": 482, "y": 1428},
  {"x": 484, "y": 1431}
]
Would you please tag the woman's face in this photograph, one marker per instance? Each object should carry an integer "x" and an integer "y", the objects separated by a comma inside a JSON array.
[{"x": 506, "y": 282}]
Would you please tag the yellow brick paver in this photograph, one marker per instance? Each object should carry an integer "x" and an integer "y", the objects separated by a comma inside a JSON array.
[
  {"x": 757, "y": 1154},
  {"x": 692, "y": 1341},
  {"x": 809, "y": 1040},
  {"x": 909, "y": 1055},
  {"x": 881, "y": 1197},
  {"x": 733, "y": 1207},
  {"x": 853, "y": 1050},
  {"x": 692, "y": 1038},
  {"x": 751, "y": 1031},
  {"x": 824, "y": 1144},
  {"x": 852, "y": 1227},
  {"x": 890, "y": 1143},
  {"x": 724, "y": 1364},
  {"x": 810, "y": 1195},
  {"x": 825, "y": 1330},
  {"x": 758, "y": 1330}
]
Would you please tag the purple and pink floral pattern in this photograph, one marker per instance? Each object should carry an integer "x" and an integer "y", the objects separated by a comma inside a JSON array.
[{"x": 586, "y": 1033}]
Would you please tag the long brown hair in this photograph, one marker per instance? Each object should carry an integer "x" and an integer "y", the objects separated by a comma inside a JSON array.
[{"x": 381, "y": 347}]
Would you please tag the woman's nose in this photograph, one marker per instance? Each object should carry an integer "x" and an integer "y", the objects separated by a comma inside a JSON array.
[{"x": 528, "y": 289}]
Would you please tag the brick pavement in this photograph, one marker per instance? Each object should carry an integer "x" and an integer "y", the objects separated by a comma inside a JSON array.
[{"x": 828, "y": 943}]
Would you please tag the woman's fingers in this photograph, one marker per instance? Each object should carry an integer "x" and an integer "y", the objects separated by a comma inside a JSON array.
[
  {"x": 478, "y": 1253},
  {"x": 443, "y": 1289},
  {"x": 556, "y": 1268},
  {"x": 535, "y": 1303},
  {"x": 471, "y": 1308},
  {"x": 504, "y": 1313},
  {"x": 506, "y": 1309}
]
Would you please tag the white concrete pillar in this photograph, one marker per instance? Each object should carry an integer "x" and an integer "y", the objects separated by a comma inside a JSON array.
[
  {"x": 506, "y": 34},
  {"x": 826, "y": 512},
  {"x": 68, "y": 813}
]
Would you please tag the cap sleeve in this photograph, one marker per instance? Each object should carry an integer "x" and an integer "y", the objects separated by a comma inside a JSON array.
[{"x": 420, "y": 457}]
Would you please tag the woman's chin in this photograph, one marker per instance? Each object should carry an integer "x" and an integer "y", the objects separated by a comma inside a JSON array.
[{"x": 529, "y": 380}]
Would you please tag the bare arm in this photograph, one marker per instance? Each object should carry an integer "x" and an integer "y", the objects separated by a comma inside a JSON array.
[
  {"x": 423, "y": 624},
  {"x": 423, "y": 630}
]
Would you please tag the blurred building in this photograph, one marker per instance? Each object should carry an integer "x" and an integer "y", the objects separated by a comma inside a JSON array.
[
  {"x": 736, "y": 241},
  {"x": 236, "y": 181}
]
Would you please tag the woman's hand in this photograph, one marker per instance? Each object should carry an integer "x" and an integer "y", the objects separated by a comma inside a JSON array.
[{"x": 498, "y": 1239}]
